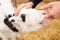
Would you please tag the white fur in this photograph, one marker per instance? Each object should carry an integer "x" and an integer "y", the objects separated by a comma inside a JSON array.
[
  {"x": 33, "y": 19},
  {"x": 6, "y": 8}
]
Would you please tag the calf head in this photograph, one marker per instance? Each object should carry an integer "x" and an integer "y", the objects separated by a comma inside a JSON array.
[{"x": 29, "y": 19}]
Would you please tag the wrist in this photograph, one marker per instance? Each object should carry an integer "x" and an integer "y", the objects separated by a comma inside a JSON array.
[{"x": 31, "y": 3}]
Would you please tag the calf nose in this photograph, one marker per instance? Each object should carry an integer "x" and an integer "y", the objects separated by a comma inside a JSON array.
[{"x": 23, "y": 17}]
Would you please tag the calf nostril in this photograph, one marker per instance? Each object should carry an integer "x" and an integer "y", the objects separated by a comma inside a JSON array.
[
  {"x": 12, "y": 20},
  {"x": 23, "y": 17},
  {"x": 44, "y": 13}
]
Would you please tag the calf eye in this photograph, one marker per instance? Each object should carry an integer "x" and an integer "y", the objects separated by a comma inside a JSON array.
[{"x": 23, "y": 17}]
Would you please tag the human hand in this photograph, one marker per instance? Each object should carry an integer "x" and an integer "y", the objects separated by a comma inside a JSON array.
[
  {"x": 55, "y": 9},
  {"x": 26, "y": 5}
]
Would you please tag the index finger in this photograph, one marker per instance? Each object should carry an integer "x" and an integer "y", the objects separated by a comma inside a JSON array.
[{"x": 49, "y": 5}]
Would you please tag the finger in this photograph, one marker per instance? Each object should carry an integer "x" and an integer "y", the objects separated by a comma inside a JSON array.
[
  {"x": 49, "y": 5},
  {"x": 17, "y": 11},
  {"x": 27, "y": 7}
]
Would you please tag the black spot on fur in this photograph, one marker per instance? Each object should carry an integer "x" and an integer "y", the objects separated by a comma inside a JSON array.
[
  {"x": 10, "y": 25},
  {"x": 12, "y": 20}
]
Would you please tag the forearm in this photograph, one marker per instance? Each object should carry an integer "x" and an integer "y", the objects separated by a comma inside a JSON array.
[{"x": 35, "y": 2}]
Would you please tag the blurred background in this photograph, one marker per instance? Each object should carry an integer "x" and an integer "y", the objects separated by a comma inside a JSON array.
[{"x": 16, "y": 3}]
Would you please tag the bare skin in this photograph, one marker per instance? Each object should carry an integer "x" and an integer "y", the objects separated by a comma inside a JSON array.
[
  {"x": 55, "y": 9},
  {"x": 53, "y": 13},
  {"x": 26, "y": 5}
]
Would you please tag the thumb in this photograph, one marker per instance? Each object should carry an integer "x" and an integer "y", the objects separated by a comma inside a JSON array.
[{"x": 49, "y": 5}]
